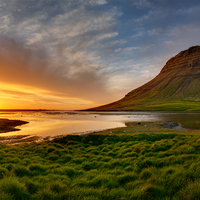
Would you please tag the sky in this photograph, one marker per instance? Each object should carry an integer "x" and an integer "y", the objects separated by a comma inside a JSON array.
[{"x": 77, "y": 54}]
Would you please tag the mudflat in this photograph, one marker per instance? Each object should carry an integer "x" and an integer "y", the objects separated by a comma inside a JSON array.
[{"x": 7, "y": 125}]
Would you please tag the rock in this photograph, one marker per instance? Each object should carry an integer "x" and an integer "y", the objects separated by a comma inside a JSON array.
[{"x": 171, "y": 125}]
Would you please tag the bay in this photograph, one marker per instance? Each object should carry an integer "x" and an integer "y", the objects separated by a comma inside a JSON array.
[{"x": 54, "y": 123}]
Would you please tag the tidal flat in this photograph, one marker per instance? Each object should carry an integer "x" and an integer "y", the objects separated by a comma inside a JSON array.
[{"x": 140, "y": 161}]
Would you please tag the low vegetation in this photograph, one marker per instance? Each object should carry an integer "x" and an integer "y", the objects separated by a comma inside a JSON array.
[
  {"x": 175, "y": 106},
  {"x": 143, "y": 161}
]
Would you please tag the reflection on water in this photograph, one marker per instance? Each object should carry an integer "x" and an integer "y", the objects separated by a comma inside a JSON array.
[{"x": 60, "y": 123}]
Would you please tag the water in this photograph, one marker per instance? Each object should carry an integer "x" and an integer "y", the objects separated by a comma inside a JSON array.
[{"x": 68, "y": 122}]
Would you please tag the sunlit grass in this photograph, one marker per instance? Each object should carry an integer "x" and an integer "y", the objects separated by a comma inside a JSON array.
[
  {"x": 175, "y": 106},
  {"x": 143, "y": 161}
]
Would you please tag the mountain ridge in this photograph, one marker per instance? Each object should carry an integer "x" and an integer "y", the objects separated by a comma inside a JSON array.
[{"x": 176, "y": 87}]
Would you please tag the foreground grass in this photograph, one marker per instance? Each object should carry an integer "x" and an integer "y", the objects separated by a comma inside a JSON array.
[{"x": 137, "y": 162}]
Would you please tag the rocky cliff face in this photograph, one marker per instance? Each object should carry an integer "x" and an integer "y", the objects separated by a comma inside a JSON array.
[
  {"x": 185, "y": 60},
  {"x": 178, "y": 81}
]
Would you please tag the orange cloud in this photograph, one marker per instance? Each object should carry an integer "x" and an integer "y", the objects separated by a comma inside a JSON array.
[
  {"x": 17, "y": 97},
  {"x": 28, "y": 79}
]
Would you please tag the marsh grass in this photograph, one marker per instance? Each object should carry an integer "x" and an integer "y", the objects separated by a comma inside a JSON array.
[{"x": 126, "y": 164}]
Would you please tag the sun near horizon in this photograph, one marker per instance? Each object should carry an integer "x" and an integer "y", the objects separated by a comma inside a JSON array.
[{"x": 16, "y": 97}]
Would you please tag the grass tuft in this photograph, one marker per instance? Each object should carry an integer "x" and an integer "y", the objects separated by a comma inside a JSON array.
[
  {"x": 136, "y": 164},
  {"x": 11, "y": 186}
]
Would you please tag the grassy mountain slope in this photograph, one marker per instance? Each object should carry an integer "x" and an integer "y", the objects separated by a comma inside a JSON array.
[{"x": 176, "y": 87}]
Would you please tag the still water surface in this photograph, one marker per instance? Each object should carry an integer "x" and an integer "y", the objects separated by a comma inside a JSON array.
[{"x": 68, "y": 122}]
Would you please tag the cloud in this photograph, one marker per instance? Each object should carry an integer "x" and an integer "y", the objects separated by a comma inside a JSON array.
[
  {"x": 4, "y": 23},
  {"x": 90, "y": 49},
  {"x": 47, "y": 45},
  {"x": 140, "y": 3},
  {"x": 186, "y": 11},
  {"x": 98, "y": 2},
  {"x": 182, "y": 37},
  {"x": 144, "y": 17},
  {"x": 38, "y": 97},
  {"x": 155, "y": 32},
  {"x": 25, "y": 67},
  {"x": 46, "y": 22}
]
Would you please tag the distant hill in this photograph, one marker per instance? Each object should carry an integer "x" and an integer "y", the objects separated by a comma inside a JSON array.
[{"x": 175, "y": 88}]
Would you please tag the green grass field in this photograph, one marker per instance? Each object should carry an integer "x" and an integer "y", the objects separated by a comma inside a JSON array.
[
  {"x": 143, "y": 161},
  {"x": 175, "y": 106},
  {"x": 153, "y": 105}
]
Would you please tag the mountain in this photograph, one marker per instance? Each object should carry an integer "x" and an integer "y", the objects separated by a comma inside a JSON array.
[{"x": 175, "y": 88}]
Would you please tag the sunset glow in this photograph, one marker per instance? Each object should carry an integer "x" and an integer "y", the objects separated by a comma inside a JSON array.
[
  {"x": 22, "y": 97},
  {"x": 81, "y": 54}
]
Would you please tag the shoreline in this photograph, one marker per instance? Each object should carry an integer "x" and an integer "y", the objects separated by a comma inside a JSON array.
[
  {"x": 7, "y": 125},
  {"x": 22, "y": 139}
]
